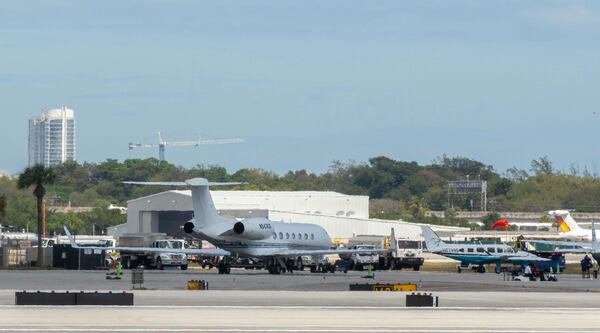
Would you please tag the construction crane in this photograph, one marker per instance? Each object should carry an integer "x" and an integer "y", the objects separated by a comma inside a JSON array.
[{"x": 162, "y": 144}]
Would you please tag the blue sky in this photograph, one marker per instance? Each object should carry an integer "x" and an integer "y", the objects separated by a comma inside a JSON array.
[{"x": 308, "y": 82}]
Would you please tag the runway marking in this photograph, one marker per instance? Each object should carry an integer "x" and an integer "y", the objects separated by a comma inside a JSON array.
[
  {"x": 233, "y": 330},
  {"x": 292, "y": 307}
]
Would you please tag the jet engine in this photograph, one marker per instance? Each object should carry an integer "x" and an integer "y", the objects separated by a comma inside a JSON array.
[
  {"x": 253, "y": 230},
  {"x": 188, "y": 227}
]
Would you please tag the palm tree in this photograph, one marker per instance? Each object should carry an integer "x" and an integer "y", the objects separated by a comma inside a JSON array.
[
  {"x": 37, "y": 175},
  {"x": 2, "y": 207}
]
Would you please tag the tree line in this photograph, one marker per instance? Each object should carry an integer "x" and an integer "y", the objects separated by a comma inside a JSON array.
[{"x": 398, "y": 189}]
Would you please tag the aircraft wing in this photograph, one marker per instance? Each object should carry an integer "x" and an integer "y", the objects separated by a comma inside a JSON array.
[
  {"x": 189, "y": 182},
  {"x": 564, "y": 247},
  {"x": 157, "y": 183},
  {"x": 577, "y": 250},
  {"x": 211, "y": 252},
  {"x": 560, "y": 243},
  {"x": 526, "y": 258},
  {"x": 285, "y": 253}
]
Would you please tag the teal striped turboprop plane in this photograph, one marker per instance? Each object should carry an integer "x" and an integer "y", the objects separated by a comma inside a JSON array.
[{"x": 475, "y": 256}]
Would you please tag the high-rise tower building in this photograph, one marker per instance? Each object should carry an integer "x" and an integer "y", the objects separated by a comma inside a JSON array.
[{"x": 52, "y": 137}]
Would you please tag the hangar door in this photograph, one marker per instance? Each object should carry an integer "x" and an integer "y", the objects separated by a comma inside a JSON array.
[{"x": 171, "y": 222}]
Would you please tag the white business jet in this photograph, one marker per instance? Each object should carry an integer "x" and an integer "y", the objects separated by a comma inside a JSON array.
[{"x": 281, "y": 245}]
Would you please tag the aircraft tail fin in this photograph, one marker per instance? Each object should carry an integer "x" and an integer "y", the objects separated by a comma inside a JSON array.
[
  {"x": 564, "y": 220},
  {"x": 432, "y": 240},
  {"x": 71, "y": 238},
  {"x": 205, "y": 213}
]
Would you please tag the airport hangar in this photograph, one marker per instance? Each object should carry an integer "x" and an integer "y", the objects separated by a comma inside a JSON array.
[{"x": 342, "y": 216}]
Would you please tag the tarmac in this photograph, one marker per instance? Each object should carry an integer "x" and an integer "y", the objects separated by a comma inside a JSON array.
[
  {"x": 296, "y": 319},
  {"x": 262, "y": 298},
  {"x": 240, "y": 279},
  {"x": 253, "y": 301}
]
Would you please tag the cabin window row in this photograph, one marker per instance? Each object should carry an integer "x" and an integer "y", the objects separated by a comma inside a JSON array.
[
  {"x": 293, "y": 236},
  {"x": 483, "y": 250}
]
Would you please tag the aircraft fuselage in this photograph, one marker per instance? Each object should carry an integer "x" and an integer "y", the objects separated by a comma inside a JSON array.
[{"x": 265, "y": 237}]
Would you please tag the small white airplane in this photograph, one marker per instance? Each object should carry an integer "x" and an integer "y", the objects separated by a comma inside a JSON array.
[
  {"x": 571, "y": 246},
  {"x": 570, "y": 229},
  {"x": 281, "y": 245},
  {"x": 477, "y": 255}
]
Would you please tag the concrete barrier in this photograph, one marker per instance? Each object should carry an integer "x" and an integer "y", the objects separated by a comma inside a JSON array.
[
  {"x": 110, "y": 298},
  {"x": 421, "y": 300},
  {"x": 44, "y": 298},
  {"x": 69, "y": 298},
  {"x": 361, "y": 287}
]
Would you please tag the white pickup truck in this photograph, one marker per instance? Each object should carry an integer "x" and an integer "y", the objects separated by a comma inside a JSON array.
[{"x": 360, "y": 261}]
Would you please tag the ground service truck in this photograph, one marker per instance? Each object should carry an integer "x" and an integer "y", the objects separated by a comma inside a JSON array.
[
  {"x": 133, "y": 259},
  {"x": 406, "y": 255},
  {"x": 359, "y": 261}
]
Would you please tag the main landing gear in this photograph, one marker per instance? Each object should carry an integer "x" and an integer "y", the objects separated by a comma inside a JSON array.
[
  {"x": 279, "y": 265},
  {"x": 276, "y": 266},
  {"x": 475, "y": 268},
  {"x": 224, "y": 266}
]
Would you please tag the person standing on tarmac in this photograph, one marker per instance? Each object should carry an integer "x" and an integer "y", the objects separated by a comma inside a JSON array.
[
  {"x": 585, "y": 267},
  {"x": 595, "y": 268},
  {"x": 119, "y": 269},
  {"x": 528, "y": 273}
]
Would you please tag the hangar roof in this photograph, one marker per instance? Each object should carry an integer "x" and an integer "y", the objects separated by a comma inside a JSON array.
[{"x": 312, "y": 202}]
